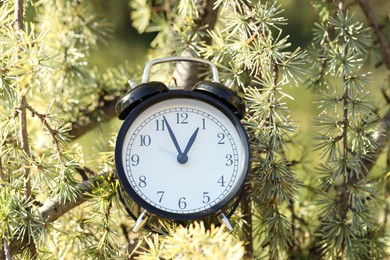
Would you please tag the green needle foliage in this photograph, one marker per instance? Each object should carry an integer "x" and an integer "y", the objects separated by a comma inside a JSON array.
[
  {"x": 328, "y": 203},
  {"x": 348, "y": 197}
]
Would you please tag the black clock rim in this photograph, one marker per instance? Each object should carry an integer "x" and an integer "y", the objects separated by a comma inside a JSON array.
[{"x": 172, "y": 94}]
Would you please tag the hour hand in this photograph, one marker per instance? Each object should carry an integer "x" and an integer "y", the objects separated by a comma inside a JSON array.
[
  {"x": 172, "y": 135},
  {"x": 183, "y": 157},
  {"x": 191, "y": 141}
]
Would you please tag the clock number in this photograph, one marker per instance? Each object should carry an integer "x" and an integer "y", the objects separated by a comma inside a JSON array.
[
  {"x": 135, "y": 159},
  {"x": 203, "y": 123},
  {"x": 161, "y": 193},
  {"x": 142, "y": 181},
  {"x": 181, "y": 118},
  {"x": 206, "y": 197},
  {"x": 182, "y": 203},
  {"x": 145, "y": 140},
  {"x": 221, "y": 137},
  {"x": 229, "y": 160},
  {"x": 221, "y": 181},
  {"x": 160, "y": 125}
]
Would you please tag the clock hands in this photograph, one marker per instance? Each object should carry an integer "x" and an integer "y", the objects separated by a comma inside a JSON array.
[{"x": 182, "y": 156}]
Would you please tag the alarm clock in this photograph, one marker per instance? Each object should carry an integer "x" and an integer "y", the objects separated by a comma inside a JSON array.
[{"x": 181, "y": 154}]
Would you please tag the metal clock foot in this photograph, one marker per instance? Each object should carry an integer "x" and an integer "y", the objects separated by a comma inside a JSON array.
[
  {"x": 224, "y": 220},
  {"x": 141, "y": 221}
]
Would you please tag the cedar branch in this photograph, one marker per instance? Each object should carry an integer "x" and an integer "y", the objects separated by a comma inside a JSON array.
[
  {"x": 106, "y": 109},
  {"x": 384, "y": 126},
  {"x": 382, "y": 139},
  {"x": 18, "y": 22},
  {"x": 52, "y": 209},
  {"x": 186, "y": 73},
  {"x": 385, "y": 47}
]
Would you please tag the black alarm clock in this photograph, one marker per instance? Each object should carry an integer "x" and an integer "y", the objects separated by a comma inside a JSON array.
[{"x": 181, "y": 154}]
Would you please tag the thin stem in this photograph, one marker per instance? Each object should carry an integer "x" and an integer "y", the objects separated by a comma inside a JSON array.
[
  {"x": 52, "y": 209},
  {"x": 18, "y": 14},
  {"x": 7, "y": 252},
  {"x": 18, "y": 21},
  {"x": 385, "y": 47},
  {"x": 247, "y": 217},
  {"x": 343, "y": 196},
  {"x": 52, "y": 131},
  {"x": 106, "y": 109},
  {"x": 345, "y": 125},
  {"x": 25, "y": 144},
  {"x": 1, "y": 173}
]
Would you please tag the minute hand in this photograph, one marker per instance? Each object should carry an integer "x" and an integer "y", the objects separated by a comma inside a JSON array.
[{"x": 173, "y": 137}]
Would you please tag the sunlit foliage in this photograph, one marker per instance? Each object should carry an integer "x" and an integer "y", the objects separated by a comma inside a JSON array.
[{"x": 56, "y": 204}]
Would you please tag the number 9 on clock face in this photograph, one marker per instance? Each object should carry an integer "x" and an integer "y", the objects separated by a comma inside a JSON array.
[{"x": 182, "y": 155}]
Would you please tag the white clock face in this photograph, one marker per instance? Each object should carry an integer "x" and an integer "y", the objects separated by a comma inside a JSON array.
[{"x": 184, "y": 156}]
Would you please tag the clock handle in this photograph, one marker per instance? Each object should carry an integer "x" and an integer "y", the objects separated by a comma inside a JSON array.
[{"x": 145, "y": 75}]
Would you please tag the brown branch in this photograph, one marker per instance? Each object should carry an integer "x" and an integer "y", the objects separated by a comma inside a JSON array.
[
  {"x": 84, "y": 172},
  {"x": 382, "y": 139},
  {"x": 52, "y": 131},
  {"x": 186, "y": 74},
  {"x": 25, "y": 145},
  {"x": 385, "y": 47},
  {"x": 106, "y": 109},
  {"x": 246, "y": 208},
  {"x": 52, "y": 209},
  {"x": 383, "y": 129},
  {"x": 18, "y": 21},
  {"x": 1, "y": 173},
  {"x": 18, "y": 15}
]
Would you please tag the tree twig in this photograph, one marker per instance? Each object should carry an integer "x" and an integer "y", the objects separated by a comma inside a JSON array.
[
  {"x": 25, "y": 144},
  {"x": 246, "y": 207},
  {"x": 52, "y": 209},
  {"x": 382, "y": 138},
  {"x": 383, "y": 128},
  {"x": 18, "y": 15},
  {"x": 107, "y": 111},
  {"x": 52, "y": 131},
  {"x": 186, "y": 74},
  {"x": 385, "y": 47},
  {"x": 18, "y": 22}
]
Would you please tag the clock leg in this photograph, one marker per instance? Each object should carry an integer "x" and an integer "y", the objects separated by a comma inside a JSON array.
[
  {"x": 224, "y": 220},
  {"x": 141, "y": 221}
]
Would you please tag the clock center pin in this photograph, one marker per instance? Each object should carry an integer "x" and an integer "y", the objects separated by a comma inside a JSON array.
[{"x": 182, "y": 158}]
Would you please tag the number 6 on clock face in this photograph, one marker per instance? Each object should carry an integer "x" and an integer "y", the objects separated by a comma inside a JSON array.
[{"x": 182, "y": 155}]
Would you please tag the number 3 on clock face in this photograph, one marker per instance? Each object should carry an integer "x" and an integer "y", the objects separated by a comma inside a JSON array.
[{"x": 182, "y": 155}]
